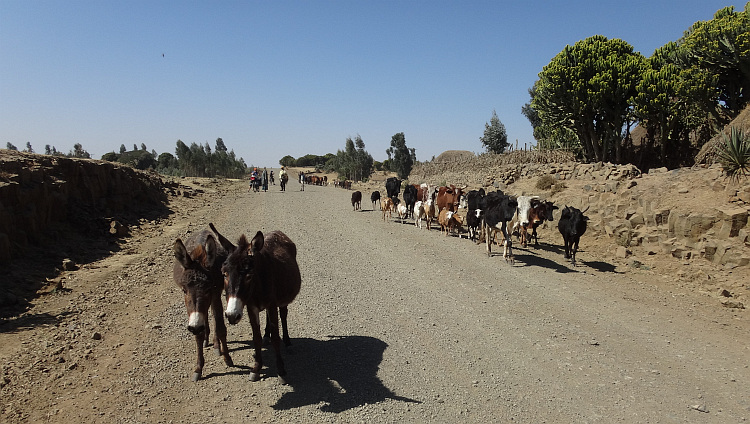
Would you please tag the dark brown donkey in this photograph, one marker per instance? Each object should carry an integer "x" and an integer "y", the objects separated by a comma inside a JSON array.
[
  {"x": 198, "y": 273},
  {"x": 261, "y": 274}
]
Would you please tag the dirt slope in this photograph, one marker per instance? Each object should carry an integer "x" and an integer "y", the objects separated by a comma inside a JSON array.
[{"x": 393, "y": 324}]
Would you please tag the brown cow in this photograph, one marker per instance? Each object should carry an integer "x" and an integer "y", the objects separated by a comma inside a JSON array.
[
  {"x": 450, "y": 221},
  {"x": 448, "y": 198},
  {"x": 357, "y": 200},
  {"x": 386, "y": 205}
]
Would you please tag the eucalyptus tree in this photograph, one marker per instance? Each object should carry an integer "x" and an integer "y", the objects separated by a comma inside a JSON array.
[
  {"x": 588, "y": 88},
  {"x": 401, "y": 158}
]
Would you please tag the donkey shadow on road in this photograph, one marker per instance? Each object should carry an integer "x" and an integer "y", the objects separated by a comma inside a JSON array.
[{"x": 341, "y": 372}]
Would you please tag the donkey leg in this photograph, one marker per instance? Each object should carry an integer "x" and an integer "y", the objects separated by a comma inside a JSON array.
[
  {"x": 201, "y": 361},
  {"x": 257, "y": 343},
  {"x": 283, "y": 312},
  {"x": 220, "y": 339},
  {"x": 276, "y": 341}
]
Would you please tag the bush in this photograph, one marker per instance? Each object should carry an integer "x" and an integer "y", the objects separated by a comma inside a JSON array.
[
  {"x": 545, "y": 182},
  {"x": 734, "y": 155}
]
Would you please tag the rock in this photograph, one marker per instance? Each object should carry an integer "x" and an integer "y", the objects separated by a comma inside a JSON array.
[
  {"x": 622, "y": 252},
  {"x": 732, "y": 303},
  {"x": 96, "y": 335},
  {"x": 733, "y": 219},
  {"x": 69, "y": 265}
]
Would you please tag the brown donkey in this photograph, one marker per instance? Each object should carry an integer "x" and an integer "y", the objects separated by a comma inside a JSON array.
[
  {"x": 261, "y": 274},
  {"x": 197, "y": 271}
]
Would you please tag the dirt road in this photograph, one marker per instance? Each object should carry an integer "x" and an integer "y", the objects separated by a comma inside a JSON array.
[{"x": 393, "y": 324}]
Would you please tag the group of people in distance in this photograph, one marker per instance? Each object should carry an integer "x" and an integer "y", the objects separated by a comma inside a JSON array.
[{"x": 259, "y": 181}]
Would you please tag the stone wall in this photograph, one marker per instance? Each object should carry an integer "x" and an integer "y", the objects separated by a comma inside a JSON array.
[{"x": 39, "y": 191}]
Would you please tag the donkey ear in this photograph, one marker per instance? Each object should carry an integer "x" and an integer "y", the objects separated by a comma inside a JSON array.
[
  {"x": 226, "y": 244},
  {"x": 257, "y": 242},
  {"x": 210, "y": 251},
  {"x": 181, "y": 254}
]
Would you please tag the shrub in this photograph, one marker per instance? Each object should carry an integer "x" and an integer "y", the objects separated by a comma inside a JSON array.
[
  {"x": 734, "y": 155},
  {"x": 545, "y": 182}
]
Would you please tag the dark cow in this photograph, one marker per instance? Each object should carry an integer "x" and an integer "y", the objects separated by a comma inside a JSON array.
[
  {"x": 197, "y": 271},
  {"x": 263, "y": 275},
  {"x": 357, "y": 200},
  {"x": 572, "y": 225},
  {"x": 500, "y": 210},
  {"x": 448, "y": 198},
  {"x": 375, "y": 197},
  {"x": 392, "y": 187},
  {"x": 476, "y": 207},
  {"x": 410, "y": 198}
]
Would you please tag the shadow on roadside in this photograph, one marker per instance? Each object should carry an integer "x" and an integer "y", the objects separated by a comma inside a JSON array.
[{"x": 341, "y": 372}]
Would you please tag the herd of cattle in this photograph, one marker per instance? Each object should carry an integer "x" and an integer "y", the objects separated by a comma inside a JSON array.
[{"x": 486, "y": 214}]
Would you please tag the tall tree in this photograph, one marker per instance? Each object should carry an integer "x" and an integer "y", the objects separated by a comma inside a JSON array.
[
  {"x": 495, "y": 139},
  {"x": 28, "y": 147},
  {"x": 671, "y": 102},
  {"x": 10, "y": 146},
  {"x": 123, "y": 149},
  {"x": 364, "y": 159},
  {"x": 588, "y": 88},
  {"x": 401, "y": 157},
  {"x": 220, "y": 147},
  {"x": 721, "y": 47}
]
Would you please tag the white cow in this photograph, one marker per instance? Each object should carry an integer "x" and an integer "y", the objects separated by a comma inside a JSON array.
[
  {"x": 419, "y": 213},
  {"x": 521, "y": 219}
]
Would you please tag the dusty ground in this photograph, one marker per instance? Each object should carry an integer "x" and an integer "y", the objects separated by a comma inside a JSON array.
[{"x": 393, "y": 324}]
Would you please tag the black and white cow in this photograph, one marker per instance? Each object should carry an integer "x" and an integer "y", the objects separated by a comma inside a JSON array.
[{"x": 500, "y": 209}]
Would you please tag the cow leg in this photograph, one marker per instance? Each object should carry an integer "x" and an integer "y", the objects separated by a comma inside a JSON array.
[
  {"x": 508, "y": 244},
  {"x": 220, "y": 338},
  {"x": 567, "y": 247},
  {"x": 201, "y": 360},
  {"x": 489, "y": 233},
  {"x": 534, "y": 235},
  {"x": 574, "y": 248},
  {"x": 257, "y": 343}
]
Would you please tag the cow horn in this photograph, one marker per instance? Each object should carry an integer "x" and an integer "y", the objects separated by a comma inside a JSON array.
[{"x": 587, "y": 208}]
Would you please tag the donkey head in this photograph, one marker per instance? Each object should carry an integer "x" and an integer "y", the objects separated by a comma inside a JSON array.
[
  {"x": 239, "y": 273},
  {"x": 192, "y": 273}
]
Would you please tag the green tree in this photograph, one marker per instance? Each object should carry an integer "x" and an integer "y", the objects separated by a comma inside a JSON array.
[
  {"x": 363, "y": 159},
  {"x": 672, "y": 102},
  {"x": 588, "y": 88},
  {"x": 123, "y": 149},
  {"x": 79, "y": 152},
  {"x": 110, "y": 157},
  {"x": 401, "y": 157},
  {"x": 220, "y": 147},
  {"x": 28, "y": 147},
  {"x": 495, "y": 139},
  {"x": 287, "y": 161},
  {"x": 47, "y": 149},
  {"x": 721, "y": 47},
  {"x": 10, "y": 146}
]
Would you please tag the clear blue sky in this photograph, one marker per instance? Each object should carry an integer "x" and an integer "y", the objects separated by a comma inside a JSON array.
[{"x": 276, "y": 78}]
